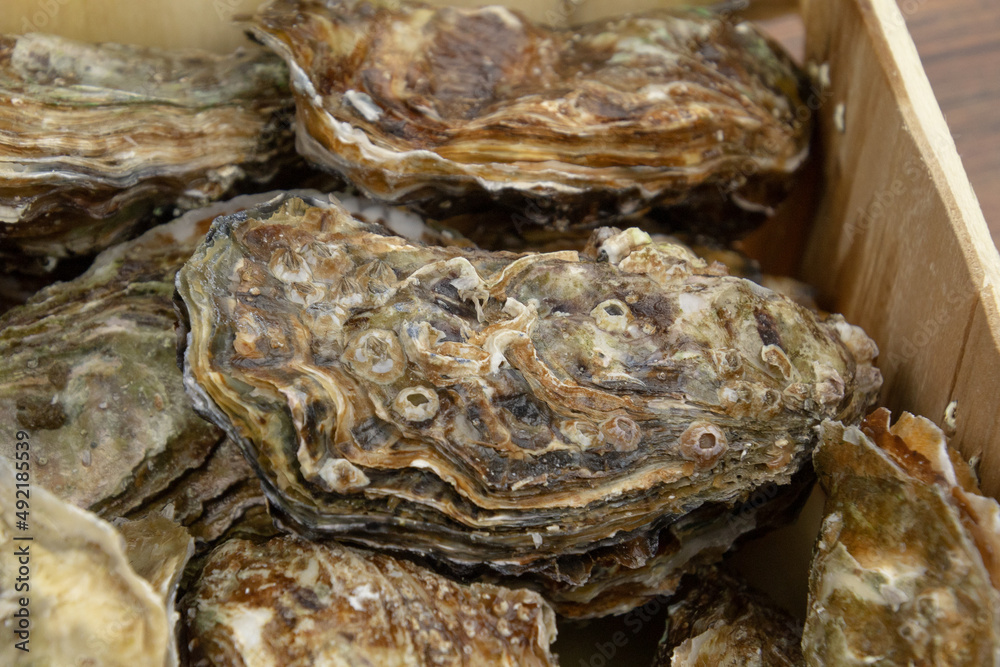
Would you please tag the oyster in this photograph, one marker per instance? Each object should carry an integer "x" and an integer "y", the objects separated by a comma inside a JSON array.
[
  {"x": 450, "y": 108},
  {"x": 89, "y": 367},
  {"x": 208, "y": 499},
  {"x": 907, "y": 565},
  {"x": 557, "y": 415},
  {"x": 86, "y": 605},
  {"x": 719, "y": 620},
  {"x": 97, "y": 136},
  {"x": 158, "y": 549},
  {"x": 291, "y": 602}
]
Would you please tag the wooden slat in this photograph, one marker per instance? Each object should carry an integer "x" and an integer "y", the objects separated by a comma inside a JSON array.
[
  {"x": 205, "y": 24},
  {"x": 899, "y": 243}
]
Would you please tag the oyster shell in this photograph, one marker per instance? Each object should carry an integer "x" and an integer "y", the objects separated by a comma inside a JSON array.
[
  {"x": 158, "y": 550},
  {"x": 518, "y": 414},
  {"x": 90, "y": 368},
  {"x": 87, "y": 605},
  {"x": 907, "y": 565},
  {"x": 208, "y": 499},
  {"x": 291, "y": 602},
  {"x": 450, "y": 108},
  {"x": 97, "y": 136},
  {"x": 719, "y": 620}
]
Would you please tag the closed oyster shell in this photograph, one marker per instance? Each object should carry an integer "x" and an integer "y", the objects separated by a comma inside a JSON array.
[
  {"x": 291, "y": 602},
  {"x": 86, "y": 603},
  {"x": 97, "y": 136},
  {"x": 618, "y": 578},
  {"x": 89, "y": 367},
  {"x": 522, "y": 414},
  {"x": 906, "y": 568},
  {"x": 208, "y": 500},
  {"x": 569, "y": 127},
  {"x": 718, "y": 619}
]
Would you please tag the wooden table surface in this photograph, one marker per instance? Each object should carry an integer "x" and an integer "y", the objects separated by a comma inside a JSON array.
[{"x": 959, "y": 44}]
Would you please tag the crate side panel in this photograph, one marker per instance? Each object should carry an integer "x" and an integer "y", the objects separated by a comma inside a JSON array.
[
  {"x": 977, "y": 388},
  {"x": 899, "y": 244}
]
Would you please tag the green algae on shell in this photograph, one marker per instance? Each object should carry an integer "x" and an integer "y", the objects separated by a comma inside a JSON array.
[
  {"x": 502, "y": 413},
  {"x": 89, "y": 368}
]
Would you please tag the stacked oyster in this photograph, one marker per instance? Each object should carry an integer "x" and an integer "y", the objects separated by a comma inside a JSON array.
[
  {"x": 461, "y": 108},
  {"x": 98, "y": 136},
  {"x": 462, "y": 439},
  {"x": 558, "y": 416}
]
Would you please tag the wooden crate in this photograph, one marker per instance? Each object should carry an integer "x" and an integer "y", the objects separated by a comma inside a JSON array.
[
  {"x": 899, "y": 243},
  {"x": 886, "y": 224}
]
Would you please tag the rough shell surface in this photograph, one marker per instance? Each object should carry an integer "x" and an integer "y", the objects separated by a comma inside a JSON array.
[
  {"x": 289, "y": 602},
  {"x": 89, "y": 368},
  {"x": 718, "y": 620},
  {"x": 569, "y": 127},
  {"x": 517, "y": 413},
  {"x": 906, "y": 568},
  {"x": 86, "y": 603},
  {"x": 97, "y": 136},
  {"x": 208, "y": 500}
]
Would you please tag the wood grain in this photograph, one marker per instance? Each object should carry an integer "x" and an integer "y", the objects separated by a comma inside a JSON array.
[{"x": 899, "y": 244}]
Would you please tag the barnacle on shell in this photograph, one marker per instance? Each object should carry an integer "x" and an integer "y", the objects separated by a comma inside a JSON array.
[
  {"x": 98, "y": 136},
  {"x": 292, "y": 602},
  {"x": 89, "y": 368},
  {"x": 561, "y": 448},
  {"x": 450, "y": 108},
  {"x": 906, "y": 568}
]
